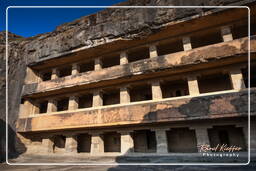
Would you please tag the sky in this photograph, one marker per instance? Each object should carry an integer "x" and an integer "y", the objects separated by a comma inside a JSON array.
[{"x": 29, "y": 22}]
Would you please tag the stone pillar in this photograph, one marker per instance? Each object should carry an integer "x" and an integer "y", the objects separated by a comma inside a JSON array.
[
  {"x": 97, "y": 146},
  {"x": 123, "y": 58},
  {"x": 31, "y": 76},
  {"x": 54, "y": 73},
  {"x": 245, "y": 133},
  {"x": 52, "y": 106},
  {"x": 193, "y": 85},
  {"x": 47, "y": 145},
  {"x": 202, "y": 137},
  {"x": 75, "y": 69},
  {"x": 28, "y": 109},
  {"x": 153, "y": 51},
  {"x": 124, "y": 95},
  {"x": 186, "y": 43},
  {"x": 73, "y": 103},
  {"x": 156, "y": 90},
  {"x": 226, "y": 34},
  {"x": 161, "y": 140},
  {"x": 236, "y": 78},
  {"x": 71, "y": 144},
  {"x": 97, "y": 98},
  {"x": 127, "y": 144},
  {"x": 97, "y": 64}
]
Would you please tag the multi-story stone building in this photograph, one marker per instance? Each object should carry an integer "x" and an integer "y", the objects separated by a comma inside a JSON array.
[{"x": 181, "y": 86}]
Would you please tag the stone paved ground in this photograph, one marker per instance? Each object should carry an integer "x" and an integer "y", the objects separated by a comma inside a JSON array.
[{"x": 115, "y": 167}]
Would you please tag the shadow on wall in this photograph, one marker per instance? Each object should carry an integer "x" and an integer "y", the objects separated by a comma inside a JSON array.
[
  {"x": 193, "y": 108},
  {"x": 13, "y": 140}
]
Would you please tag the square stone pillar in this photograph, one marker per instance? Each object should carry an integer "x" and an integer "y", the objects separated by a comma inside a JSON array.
[
  {"x": 124, "y": 95},
  {"x": 245, "y": 133},
  {"x": 71, "y": 144},
  {"x": 156, "y": 90},
  {"x": 52, "y": 106},
  {"x": 226, "y": 33},
  {"x": 193, "y": 85},
  {"x": 31, "y": 76},
  {"x": 123, "y": 58},
  {"x": 236, "y": 78},
  {"x": 127, "y": 144},
  {"x": 153, "y": 51},
  {"x": 97, "y": 98},
  {"x": 75, "y": 69},
  {"x": 202, "y": 137},
  {"x": 73, "y": 103},
  {"x": 54, "y": 73},
  {"x": 97, "y": 146},
  {"x": 47, "y": 145},
  {"x": 29, "y": 109},
  {"x": 161, "y": 140},
  {"x": 186, "y": 43},
  {"x": 97, "y": 64}
]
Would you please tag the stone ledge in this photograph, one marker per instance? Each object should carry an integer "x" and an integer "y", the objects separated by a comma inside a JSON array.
[{"x": 204, "y": 107}]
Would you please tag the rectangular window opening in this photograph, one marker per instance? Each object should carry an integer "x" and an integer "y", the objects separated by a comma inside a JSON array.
[
  {"x": 214, "y": 82},
  {"x": 85, "y": 67},
  {"x": 140, "y": 93},
  {"x": 85, "y": 101},
  {"x": 138, "y": 54},
  {"x": 62, "y": 104},
  {"x": 174, "y": 88},
  {"x": 111, "y": 97},
  {"x": 65, "y": 71},
  {"x": 43, "y": 107},
  {"x": 110, "y": 61}
]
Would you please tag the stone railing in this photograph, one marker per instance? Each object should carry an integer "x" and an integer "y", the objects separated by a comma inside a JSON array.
[{"x": 205, "y": 106}]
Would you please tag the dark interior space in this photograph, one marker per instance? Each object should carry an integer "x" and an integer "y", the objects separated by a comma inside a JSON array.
[
  {"x": 214, "y": 82},
  {"x": 83, "y": 143},
  {"x": 62, "y": 104},
  {"x": 144, "y": 141},
  {"x": 109, "y": 61},
  {"x": 140, "y": 92},
  {"x": 45, "y": 76},
  {"x": 168, "y": 47},
  {"x": 65, "y": 71},
  {"x": 87, "y": 66},
  {"x": 181, "y": 140},
  {"x": 174, "y": 88},
  {"x": 138, "y": 54},
  {"x": 43, "y": 107},
  {"x": 112, "y": 142},
  {"x": 85, "y": 101}
]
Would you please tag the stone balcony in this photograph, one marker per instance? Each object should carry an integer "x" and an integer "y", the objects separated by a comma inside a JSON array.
[
  {"x": 224, "y": 104},
  {"x": 173, "y": 63}
]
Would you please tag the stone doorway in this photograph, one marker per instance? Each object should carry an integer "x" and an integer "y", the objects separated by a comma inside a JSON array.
[
  {"x": 181, "y": 140},
  {"x": 229, "y": 134},
  {"x": 83, "y": 143},
  {"x": 112, "y": 142},
  {"x": 144, "y": 141}
]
